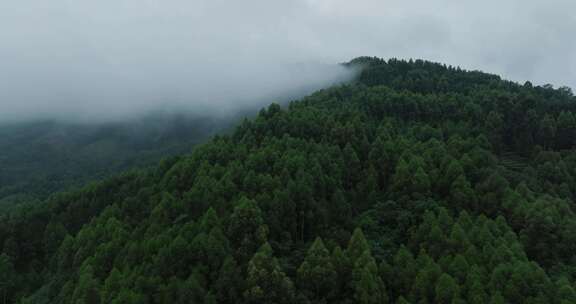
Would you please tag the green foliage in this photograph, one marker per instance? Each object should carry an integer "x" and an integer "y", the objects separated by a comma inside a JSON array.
[
  {"x": 266, "y": 282},
  {"x": 446, "y": 289},
  {"x": 317, "y": 274},
  {"x": 441, "y": 185}
]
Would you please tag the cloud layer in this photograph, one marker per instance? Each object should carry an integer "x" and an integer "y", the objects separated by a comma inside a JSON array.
[{"x": 112, "y": 58}]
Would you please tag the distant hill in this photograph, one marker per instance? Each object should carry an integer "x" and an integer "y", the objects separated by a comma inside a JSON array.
[
  {"x": 416, "y": 183},
  {"x": 39, "y": 158}
]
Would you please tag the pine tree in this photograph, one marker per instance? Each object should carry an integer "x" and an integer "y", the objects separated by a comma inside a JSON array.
[
  {"x": 462, "y": 195},
  {"x": 420, "y": 182},
  {"x": 193, "y": 289},
  {"x": 229, "y": 281},
  {"x": 566, "y": 293},
  {"x": 343, "y": 270},
  {"x": 566, "y": 130},
  {"x": 495, "y": 127},
  {"x": 352, "y": 164},
  {"x": 317, "y": 274},
  {"x": 476, "y": 291},
  {"x": 423, "y": 286},
  {"x": 112, "y": 286},
  {"x": 357, "y": 246},
  {"x": 458, "y": 239},
  {"x": 266, "y": 282},
  {"x": 246, "y": 228},
  {"x": 402, "y": 178},
  {"x": 367, "y": 285},
  {"x": 459, "y": 268},
  {"x": 340, "y": 207},
  {"x": 446, "y": 289},
  {"x": 210, "y": 220},
  {"x": 216, "y": 248},
  {"x": 126, "y": 296},
  {"x": 53, "y": 235},
  {"x": 87, "y": 289},
  {"x": 405, "y": 270},
  {"x": 547, "y": 131},
  {"x": 436, "y": 241},
  {"x": 497, "y": 298}
]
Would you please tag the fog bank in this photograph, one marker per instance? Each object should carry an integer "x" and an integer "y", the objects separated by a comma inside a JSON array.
[
  {"x": 112, "y": 60},
  {"x": 109, "y": 59}
]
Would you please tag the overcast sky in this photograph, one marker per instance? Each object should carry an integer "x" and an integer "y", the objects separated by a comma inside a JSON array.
[{"x": 105, "y": 58}]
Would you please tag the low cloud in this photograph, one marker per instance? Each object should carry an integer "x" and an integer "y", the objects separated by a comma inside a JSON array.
[{"x": 108, "y": 59}]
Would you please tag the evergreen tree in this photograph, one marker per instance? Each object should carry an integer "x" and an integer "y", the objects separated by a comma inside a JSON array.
[
  {"x": 423, "y": 286},
  {"x": 547, "y": 131},
  {"x": 112, "y": 286},
  {"x": 317, "y": 274},
  {"x": 405, "y": 270},
  {"x": 266, "y": 282},
  {"x": 447, "y": 289},
  {"x": 357, "y": 246},
  {"x": 246, "y": 228},
  {"x": 367, "y": 285},
  {"x": 228, "y": 282},
  {"x": 87, "y": 289}
]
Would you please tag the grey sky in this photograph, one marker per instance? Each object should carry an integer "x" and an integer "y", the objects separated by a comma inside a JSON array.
[{"x": 108, "y": 58}]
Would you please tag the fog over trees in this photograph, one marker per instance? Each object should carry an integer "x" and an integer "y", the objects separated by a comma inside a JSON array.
[{"x": 102, "y": 60}]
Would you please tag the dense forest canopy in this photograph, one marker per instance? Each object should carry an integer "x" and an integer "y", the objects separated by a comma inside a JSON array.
[{"x": 416, "y": 183}]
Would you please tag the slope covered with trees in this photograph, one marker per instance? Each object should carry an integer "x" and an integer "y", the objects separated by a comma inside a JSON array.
[
  {"x": 417, "y": 183},
  {"x": 41, "y": 157}
]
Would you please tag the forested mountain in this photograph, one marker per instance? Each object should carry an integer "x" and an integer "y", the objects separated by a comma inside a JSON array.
[
  {"x": 40, "y": 157},
  {"x": 416, "y": 183}
]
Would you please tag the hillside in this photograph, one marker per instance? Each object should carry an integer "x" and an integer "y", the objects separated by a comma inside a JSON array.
[
  {"x": 416, "y": 183},
  {"x": 41, "y": 157}
]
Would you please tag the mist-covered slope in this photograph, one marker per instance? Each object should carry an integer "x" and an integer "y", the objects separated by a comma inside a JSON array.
[
  {"x": 51, "y": 143},
  {"x": 40, "y": 157},
  {"x": 418, "y": 183}
]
